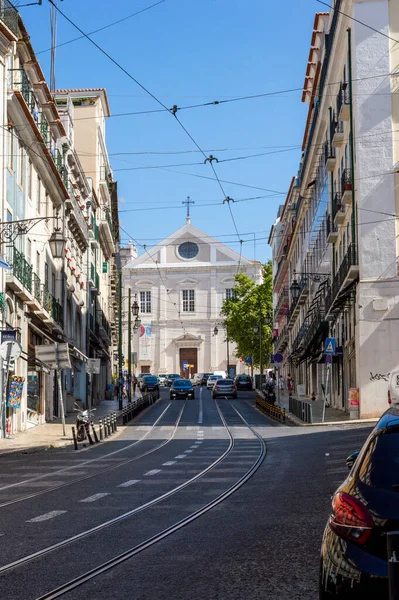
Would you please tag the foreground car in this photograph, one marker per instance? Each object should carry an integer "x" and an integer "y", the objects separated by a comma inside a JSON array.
[
  {"x": 181, "y": 388},
  {"x": 243, "y": 382},
  {"x": 224, "y": 387},
  {"x": 364, "y": 508}
]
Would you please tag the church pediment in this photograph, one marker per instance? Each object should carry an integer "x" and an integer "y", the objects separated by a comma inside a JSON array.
[
  {"x": 144, "y": 283},
  {"x": 188, "y": 282},
  {"x": 188, "y": 340}
]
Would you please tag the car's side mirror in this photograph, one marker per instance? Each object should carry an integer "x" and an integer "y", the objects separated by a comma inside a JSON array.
[{"x": 351, "y": 459}]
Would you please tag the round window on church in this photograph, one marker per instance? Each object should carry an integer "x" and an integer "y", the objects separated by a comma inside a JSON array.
[{"x": 188, "y": 250}]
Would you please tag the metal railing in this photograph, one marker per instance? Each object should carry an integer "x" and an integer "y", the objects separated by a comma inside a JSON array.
[
  {"x": 337, "y": 205},
  {"x": 336, "y": 127},
  {"x": 330, "y": 227},
  {"x": 315, "y": 325},
  {"x": 9, "y": 16},
  {"x": 94, "y": 276},
  {"x": 302, "y": 410},
  {"x": 343, "y": 96},
  {"x": 346, "y": 180},
  {"x": 301, "y": 334},
  {"x": 19, "y": 80},
  {"x": 275, "y": 412},
  {"x": 329, "y": 151},
  {"x": 52, "y": 306},
  {"x": 21, "y": 269}
]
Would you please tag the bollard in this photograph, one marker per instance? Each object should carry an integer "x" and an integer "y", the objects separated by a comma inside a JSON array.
[
  {"x": 105, "y": 427},
  {"x": 113, "y": 422},
  {"x": 393, "y": 564},
  {"x": 75, "y": 441},
  {"x": 109, "y": 425},
  {"x": 100, "y": 427},
  {"x": 94, "y": 433},
  {"x": 116, "y": 422},
  {"x": 87, "y": 427}
]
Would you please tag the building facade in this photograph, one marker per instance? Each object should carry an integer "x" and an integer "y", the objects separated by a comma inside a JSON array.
[
  {"x": 335, "y": 239},
  {"x": 180, "y": 285},
  {"x": 46, "y": 188}
]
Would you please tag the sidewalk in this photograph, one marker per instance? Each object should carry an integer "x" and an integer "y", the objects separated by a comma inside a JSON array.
[
  {"x": 333, "y": 416},
  {"x": 49, "y": 435}
]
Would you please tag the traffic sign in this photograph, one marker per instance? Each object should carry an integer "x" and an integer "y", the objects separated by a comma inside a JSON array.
[
  {"x": 329, "y": 359},
  {"x": 56, "y": 356},
  {"x": 10, "y": 349},
  {"x": 185, "y": 366},
  {"x": 248, "y": 360},
  {"x": 278, "y": 358},
  {"x": 330, "y": 346},
  {"x": 272, "y": 359},
  {"x": 8, "y": 334}
]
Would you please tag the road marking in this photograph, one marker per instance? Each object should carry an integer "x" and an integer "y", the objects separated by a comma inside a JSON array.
[
  {"x": 181, "y": 456},
  {"x": 153, "y": 472},
  {"x": 195, "y": 446},
  {"x": 201, "y": 412},
  {"x": 129, "y": 483},
  {"x": 47, "y": 516},
  {"x": 95, "y": 497},
  {"x": 169, "y": 463},
  {"x": 187, "y": 451}
]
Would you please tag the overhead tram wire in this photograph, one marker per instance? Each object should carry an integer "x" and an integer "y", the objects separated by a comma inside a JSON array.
[{"x": 173, "y": 113}]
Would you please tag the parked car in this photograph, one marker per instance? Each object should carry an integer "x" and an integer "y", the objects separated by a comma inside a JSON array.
[
  {"x": 162, "y": 379},
  {"x": 220, "y": 374},
  {"x": 364, "y": 508},
  {"x": 204, "y": 378},
  {"x": 243, "y": 382},
  {"x": 181, "y": 388},
  {"x": 149, "y": 383},
  {"x": 224, "y": 387},
  {"x": 170, "y": 378},
  {"x": 210, "y": 382}
]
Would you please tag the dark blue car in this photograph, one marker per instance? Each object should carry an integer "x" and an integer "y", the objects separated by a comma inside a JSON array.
[
  {"x": 364, "y": 509},
  {"x": 182, "y": 388}
]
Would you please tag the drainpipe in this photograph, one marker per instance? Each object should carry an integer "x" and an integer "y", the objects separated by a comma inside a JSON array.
[{"x": 352, "y": 149}]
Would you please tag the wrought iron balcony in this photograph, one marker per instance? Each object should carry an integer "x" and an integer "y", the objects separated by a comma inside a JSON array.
[
  {"x": 347, "y": 272},
  {"x": 330, "y": 158},
  {"x": 332, "y": 230},
  {"x": 338, "y": 209},
  {"x": 337, "y": 132},
  {"x": 317, "y": 328},
  {"x": 52, "y": 306},
  {"x": 301, "y": 334},
  {"x": 346, "y": 186},
  {"x": 9, "y": 16},
  {"x": 94, "y": 278},
  {"x": 19, "y": 80},
  {"x": 20, "y": 268},
  {"x": 282, "y": 302},
  {"x": 343, "y": 102},
  {"x": 282, "y": 340}
]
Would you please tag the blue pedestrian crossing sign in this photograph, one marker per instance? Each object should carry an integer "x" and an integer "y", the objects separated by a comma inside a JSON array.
[
  {"x": 185, "y": 366},
  {"x": 330, "y": 346}
]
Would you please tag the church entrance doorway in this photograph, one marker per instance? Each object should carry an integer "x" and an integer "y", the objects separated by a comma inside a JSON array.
[{"x": 189, "y": 356}]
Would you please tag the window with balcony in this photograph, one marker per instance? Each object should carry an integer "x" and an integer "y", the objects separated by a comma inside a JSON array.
[
  {"x": 145, "y": 302},
  {"x": 188, "y": 301}
]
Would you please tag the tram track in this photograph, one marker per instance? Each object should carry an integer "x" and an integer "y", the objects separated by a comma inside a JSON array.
[
  {"x": 131, "y": 552},
  {"x": 92, "y": 475}
]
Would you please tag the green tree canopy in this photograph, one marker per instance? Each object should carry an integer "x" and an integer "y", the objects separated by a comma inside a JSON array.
[{"x": 250, "y": 306}]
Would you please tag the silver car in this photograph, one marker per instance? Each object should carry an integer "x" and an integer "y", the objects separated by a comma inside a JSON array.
[
  {"x": 224, "y": 387},
  {"x": 162, "y": 379}
]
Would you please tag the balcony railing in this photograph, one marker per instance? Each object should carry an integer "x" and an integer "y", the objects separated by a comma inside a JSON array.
[
  {"x": 317, "y": 324},
  {"x": 282, "y": 337},
  {"x": 19, "y": 80},
  {"x": 52, "y": 306},
  {"x": 21, "y": 269},
  {"x": 301, "y": 334},
  {"x": 9, "y": 16},
  {"x": 94, "y": 276},
  {"x": 282, "y": 302},
  {"x": 343, "y": 96},
  {"x": 336, "y": 204},
  {"x": 109, "y": 220},
  {"x": 349, "y": 260},
  {"x": 346, "y": 180},
  {"x": 336, "y": 127},
  {"x": 329, "y": 151}
]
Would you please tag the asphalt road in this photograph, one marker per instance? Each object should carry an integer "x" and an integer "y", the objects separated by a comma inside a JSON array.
[{"x": 64, "y": 513}]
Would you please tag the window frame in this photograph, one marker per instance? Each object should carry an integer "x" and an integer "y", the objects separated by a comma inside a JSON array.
[
  {"x": 145, "y": 302},
  {"x": 188, "y": 301}
]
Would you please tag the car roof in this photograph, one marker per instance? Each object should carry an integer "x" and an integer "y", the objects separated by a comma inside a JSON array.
[{"x": 389, "y": 419}]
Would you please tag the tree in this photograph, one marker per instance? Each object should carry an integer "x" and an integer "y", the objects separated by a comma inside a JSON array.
[{"x": 250, "y": 306}]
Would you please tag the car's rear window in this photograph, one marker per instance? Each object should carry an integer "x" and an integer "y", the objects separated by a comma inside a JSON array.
[
  {"x": 213, "y": 377},
  {"x": 241, "y": 377},
  {"x": 225, "y": 382},
  {"x": 150, "y": 379},
  {"x": 174, "y": 375},
  {"x": 380, "y": 465},
  {"x": 183, "y": 383}
]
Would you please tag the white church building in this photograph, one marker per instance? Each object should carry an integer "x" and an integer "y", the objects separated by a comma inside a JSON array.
[{"x": 180, "y": 285}]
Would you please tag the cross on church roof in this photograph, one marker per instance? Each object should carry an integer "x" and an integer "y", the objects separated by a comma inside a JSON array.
[{"x": 187, "y": 202}]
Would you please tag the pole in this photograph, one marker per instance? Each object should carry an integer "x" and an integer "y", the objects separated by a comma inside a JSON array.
[
  {"x": 60, "y": 393},
  {"x": 227, "y": 345},
  {"x": 129, "y": 347},
  {"x": 325, "y": 393},
  {"x": 260, "y": 352},
  {"x": 4, "y": 389},
  {"x": 120, "y": 401},
  {"x": 278, "y": 384},
  {"x": 393, "y": 564}
]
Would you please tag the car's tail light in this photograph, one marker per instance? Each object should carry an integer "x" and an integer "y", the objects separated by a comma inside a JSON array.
[
  {"x": 389, "y": 397},
  {"x": 216, "y": 387},
  {"x": 350, "y": 518}
]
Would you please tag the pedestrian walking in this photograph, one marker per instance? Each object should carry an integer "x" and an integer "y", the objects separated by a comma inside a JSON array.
[
  {"x": 281, "y": 384},
  {"x": 134, "y": 384},
  {"x": 290, "y": 384}
]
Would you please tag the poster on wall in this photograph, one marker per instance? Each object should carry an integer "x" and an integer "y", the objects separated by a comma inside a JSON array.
[
  {"x": 145, "y": 341},
  {"x": 15, "y": 392}
]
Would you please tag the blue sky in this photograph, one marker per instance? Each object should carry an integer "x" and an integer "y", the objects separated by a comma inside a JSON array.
[{"x": 191, "y": 52}]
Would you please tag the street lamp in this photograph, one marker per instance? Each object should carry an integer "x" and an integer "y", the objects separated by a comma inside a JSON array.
[
  {"x": 216, "y": 330},
  {"x": 57, "y": 243},
  {"x": 256, "y": 329},
  {"x": 135, "y": 307},
  {"x": 295, "y": 290},
  {"x": 137, "y": 322}
]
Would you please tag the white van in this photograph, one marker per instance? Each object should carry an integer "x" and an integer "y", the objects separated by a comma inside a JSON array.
[
  {"x": 393, "y": 388},
  {"x": 221, "y": 374}
]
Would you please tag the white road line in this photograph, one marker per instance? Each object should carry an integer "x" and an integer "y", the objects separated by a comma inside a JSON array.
[
  {"x": 129, "y": 483},
  {"x": 181, "y": 456},
  {"x": 47, "y": 516},
  {"x": 169, "y": 463},
  {"x": 153, "y": 472},
  {"x": 95, "y": 497},
  {"x": 201, "y": 412},
  {"x": 187, "y": 451},
  {"x": 195, "y": 446}
]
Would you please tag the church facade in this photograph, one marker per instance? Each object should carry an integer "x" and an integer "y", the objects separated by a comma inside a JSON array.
[{"x": 180, "y": 285}]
